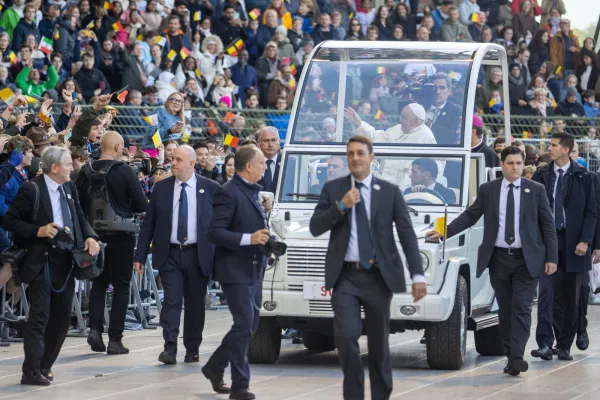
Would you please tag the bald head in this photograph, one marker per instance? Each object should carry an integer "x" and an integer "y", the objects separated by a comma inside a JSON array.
[
  {"x": 111, "y": 145},
  {"x": 182, "y": 165},
  {"x": 187, "y": 152}
]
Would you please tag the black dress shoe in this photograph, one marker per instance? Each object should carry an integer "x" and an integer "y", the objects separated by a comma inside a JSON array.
[
  {"x": 95, "y": 341},
  {"x": 583, "y": 341},
  {"x": 115, "y": 348},
  {"x": 217, "y": 382},
  {"x": 34, "y": 379},
  {"x": 516, "y": 366},
  {"x": 243, "y": 394},
  {"x": 564, "y": 355},
  {"x": 48, "y": 374},
  {"x": 191, "y": 358},
  {"x": 424, "y": 339},
  {"x": 555, "y": 351},
  {"x": 545, "y": 353},
  {"x": 167, "y": 358}
]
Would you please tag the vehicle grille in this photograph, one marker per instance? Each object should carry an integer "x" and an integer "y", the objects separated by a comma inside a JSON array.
[
  {"x": 306, "y": 262},
  {"x": 323, "y": 307},
  {"x": 295, "y": 287}
]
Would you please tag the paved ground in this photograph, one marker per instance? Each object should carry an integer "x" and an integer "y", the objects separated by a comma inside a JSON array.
[{"x": 83, "y": 375}]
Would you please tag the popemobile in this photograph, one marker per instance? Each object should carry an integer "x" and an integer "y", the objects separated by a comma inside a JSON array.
[{"x": 416, "y": 101}]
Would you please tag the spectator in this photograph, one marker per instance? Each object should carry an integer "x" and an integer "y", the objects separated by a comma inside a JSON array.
[
  {"x": 279, "y": 119},
  {"x": 493, "y": 83},
  {"x": 176, "y": 40},
  {"x": 453, "y": 30},
  {"x": 266, "y": 68},
  {"x": 476, "y": 28},
  {"x": 5, "y": 81},
  {"x": 516, "y": 7},
  {"x": 552, "y": 24},
  {"x": 218, "y": 90},
  {"x": 26, "y": 26},
  {"x": 267, "y": 30},
  {"x": 29, "y": 80},
  {"x": 516, "y": 88},
  {"x": 227, "y": 171},
  {"x": 71, "y": 86},
  {"x": 212, "y": 59},
  {"x": 251, "y": 42},
  {"x": 507, "y": 38},
  {"x": 571, "y": 83},
  {"x": 152, "y": 17},
  {"x": 12, "y": 16},
  {"x": 590, "y": 45},
  {"x": 91, "y": 80},
  {"x": 243, "y": 75},
  {"x": 466, "y": 9},
  {"x": 237, "y": 127},
  {"x": 307, "y": 47},
  {"x": 47, "y": 25},
  {"x": 5, "y": 49},
  {"x": 590, "y": 106},
  {"x": 187, "y": 69},
  {"x": 563, "y": 48},
  {"x": 539, "y": 51},
  {"x": 440, "y": 15},
  {"x": 132, "y": 117},
  {"x": 383, "y": 24},
  {"x": 540, "y": 104},
  {"x": 170, "y": 116},
  {"x": 66, "y": 41},
  {"x": 150, "y": 98},
  {"x": 296, "y": 34},
  {"x": 365, "y": 14},
  {"x": 587, "y": 72},
  {"x": 570, "y": 107},
  {"x": 227, "y": 27},
  {"x": 133, "y": 69},
  {"x": 306, "y": 14},
  {"x": 523, "y": 61},
  {"x": 283, "y": 15},
  {"x": 324, "y": 30},
  {"x": 524, "y": 23},
  {"x": 194, "y": 92},
  {"x": 549, "y": 5},
  {"x": 537, "y": 82},
  {"x": 165, "y": 84},
  {"x": 402, "y": 16},
  {"x": 372, "y": 33},
  {"x": 286, "y": 50},
  {"x": 284, "y": 85},
  {"x": 102, "y": 21},
  {"x": 110, "y": 63}
]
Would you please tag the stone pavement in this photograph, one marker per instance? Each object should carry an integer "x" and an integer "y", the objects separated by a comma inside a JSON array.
[{"x": 83, "y": 375}]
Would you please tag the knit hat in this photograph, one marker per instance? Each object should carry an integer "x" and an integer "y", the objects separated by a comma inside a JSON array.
[
  {"x": 571, "y": 92},
  {"x": 281, "y": 29},
  {"x": 477, "y": 122},
  {"x": 226, "y": 100}
]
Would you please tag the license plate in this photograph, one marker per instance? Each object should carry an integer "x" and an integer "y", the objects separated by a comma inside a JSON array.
[{"x": 316, "y": 291}]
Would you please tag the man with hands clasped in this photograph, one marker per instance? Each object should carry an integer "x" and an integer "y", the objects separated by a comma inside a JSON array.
[
  {"x": 363, "y": 265},
  {"x": 519, "y": 247}
]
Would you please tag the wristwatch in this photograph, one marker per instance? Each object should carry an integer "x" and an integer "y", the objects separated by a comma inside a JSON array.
[{"x": 342, "y": 207}]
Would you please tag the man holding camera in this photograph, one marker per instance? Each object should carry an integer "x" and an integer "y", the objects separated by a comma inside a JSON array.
[
  {"x": 239, "y": 229},
  {"x": 37, "y": 219},
  {"x": 176, "y": 224},
  {"x": 126, "y": 198}
]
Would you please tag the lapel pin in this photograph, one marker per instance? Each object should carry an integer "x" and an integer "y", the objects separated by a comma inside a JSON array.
[
  {"x": 68, "y": 196},
  {"x": 527, "y": 190},
  {"x": 376, "y": 186},
  {"x": 444, "y": 113},
  {"x": 201, "y": 190}
]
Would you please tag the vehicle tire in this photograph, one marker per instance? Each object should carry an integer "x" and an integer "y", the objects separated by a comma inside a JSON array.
[
  {"x": 266, "y": 342},
  {"x": 315, "y": 341},
  {"x": 447, "y": 341},
  {"x": 488, "y": 342}
]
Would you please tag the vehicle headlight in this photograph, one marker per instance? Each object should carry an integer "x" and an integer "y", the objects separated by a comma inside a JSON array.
[{"x": 424, "y": 261}]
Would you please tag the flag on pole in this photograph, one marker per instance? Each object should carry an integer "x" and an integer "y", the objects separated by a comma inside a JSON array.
[
  {"x": 161, "y": 41},
  {"x": 379, "y": 115},
  {"x": 45, "y": 118},
  {"x": 184, "y": 53},
  {"x": 492, "y": 102},
  {"x": 118, "y": 26},
  {"x": 6, "y": 95},
  {"x": 122, "y": 95},
  {"x": 235, "y": 47},
  {"x": 232, "y": 51},
  {"x": 526, "y": 135},
  {"x": 151, "y": 119},
  {"x": 476, "y": 17},
  {"x": 231, "y": 141},
  {"x": 254, "y": 13},
  {"x": 90, "y": 25},
  {"x": 172, "y": 55},
  {"x": 197, "y": 16},
  {"x": 56, "y": 34},
  {"x": 46, "y": 45},
  {"x": 12, "y": 58},
  {"x": 156, "y": 139},
  {"x": 381, "y": 70},
  {"x": 30, "y": 99},
  {"x": 198, "y": 73}
]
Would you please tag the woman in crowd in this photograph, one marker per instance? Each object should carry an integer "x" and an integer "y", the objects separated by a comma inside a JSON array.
[
  {"x": 365, "y": 14},
  {"x": 587, "y": 71},
  {"x": 152, "y": 17},
  {"x": 402, "y": 16},
  {"x": 355, "y": 30},
  {"x": 227, "y": 171},
  {"x": 186, "y": 69},
  {"x": 170, "y": 116},
  {"x": 383, "y": 24},
  {"x": 516, "y": 88},
  {"x": 524, "y": 23},
  {"x": 539, "y": 50},
  {"x": 283, "y": 15},
  {"x": 212, "y": 60}
]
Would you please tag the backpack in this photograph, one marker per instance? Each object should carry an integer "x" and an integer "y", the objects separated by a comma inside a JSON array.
[{"x": 100, "y": 210}]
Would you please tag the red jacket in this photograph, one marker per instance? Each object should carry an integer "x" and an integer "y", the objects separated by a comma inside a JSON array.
[{"x": 516, "y": 5}]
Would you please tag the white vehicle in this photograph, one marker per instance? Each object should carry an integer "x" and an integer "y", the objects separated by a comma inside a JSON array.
[{"x": 388, "y": 75}]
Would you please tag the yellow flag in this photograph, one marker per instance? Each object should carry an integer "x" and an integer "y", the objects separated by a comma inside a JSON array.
[{"x": 156, "y": 139}]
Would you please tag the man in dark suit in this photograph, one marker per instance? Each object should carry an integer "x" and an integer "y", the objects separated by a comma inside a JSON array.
[
  {"x": 423, "y": 175},
  {"x": 176, "y": 224},
  {"x": 443, "y": 116},
  {"x": 337, "y": 166},
  {"x": 570, "y": 190},
  {"x": 239, "y": 229},
  {"x": 519, "y": 246},
  {"x": 478, "y": 144},
  {"x": 363, "y": 264},
  {"x": 268, "y": 141},
  {"x": 50, "y": 289}
]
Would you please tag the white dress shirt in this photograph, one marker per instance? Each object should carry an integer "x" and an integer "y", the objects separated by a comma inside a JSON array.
[
  {"x": 190, "y": 191},
  {"x": 352, "y": 253},
  {"x": 500, "y": 242},
  {"x": 565, "y": 168},
  {"x": 53, "y": 191}
]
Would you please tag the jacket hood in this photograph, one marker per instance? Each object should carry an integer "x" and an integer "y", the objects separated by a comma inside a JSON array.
[
  {"x": 212, "y": 39},
  {"x": 67, "y": 25}
]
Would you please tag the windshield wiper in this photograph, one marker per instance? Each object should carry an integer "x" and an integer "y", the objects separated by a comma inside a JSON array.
[
  {"x": 412, "y": 210},
  {"x": 309, "y": 195}
]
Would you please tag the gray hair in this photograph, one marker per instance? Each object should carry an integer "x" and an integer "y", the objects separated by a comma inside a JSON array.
[
  {"x": 53, "y": 155},
  {"x": 266, "y": 129},
  {"x": 496, "y": 70}
]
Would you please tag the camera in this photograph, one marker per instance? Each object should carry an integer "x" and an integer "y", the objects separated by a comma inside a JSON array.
[
  {"x": 273, "y": 249},
  {"x": 144, "y": 166},
  {"x": 64, "y": 239}
]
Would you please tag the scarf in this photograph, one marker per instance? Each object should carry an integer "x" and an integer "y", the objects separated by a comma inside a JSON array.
[
  {"x": 516, "y": 81},
  {"x": 554, "y": 23},
  {"x": 541, "y": 107}
]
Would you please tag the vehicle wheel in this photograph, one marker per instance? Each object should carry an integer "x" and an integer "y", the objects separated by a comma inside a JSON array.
[
  {"x": 315, "y": 341},
  {"x": 447, "y": 341},
  {"x": 266, "y": 342},
  {"x": 488, "y": 342}
]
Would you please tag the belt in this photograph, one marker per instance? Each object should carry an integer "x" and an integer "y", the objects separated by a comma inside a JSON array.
[
  {"x": 511, "y": 251},
  {"x": 186, "y": 246},
  {"x": 357, "y": 267}
]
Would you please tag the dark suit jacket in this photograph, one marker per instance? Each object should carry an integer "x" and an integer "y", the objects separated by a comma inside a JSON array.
[
  {"x": 580, "y": 210},
  {"x": 158, "y": 222},
  {"x": 446, "y": 193},
  {"x": 596, "y": 243},
  {"x": 536, "y": 225},
  {"x": 491, "y": 158},
  {"x": 387, "y": 207},
  {"x": 445, "y": 126},
  {"x": 236, "y": 213},
  {"x": 288, "y": 183},
  {"x": 273, "y": 186},
  {"x": 19, "y": 220}
]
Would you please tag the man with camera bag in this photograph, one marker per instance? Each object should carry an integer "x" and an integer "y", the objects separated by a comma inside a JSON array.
[
  {"x": 239, "y": 229},
  {"x": 46, "y": 219},
  {"x": 110, "y": 195}
]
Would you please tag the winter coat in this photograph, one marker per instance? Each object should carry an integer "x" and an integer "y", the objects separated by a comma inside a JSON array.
[
  {"x": 22, "y": 30},
  {"x": 29, "y": 87},
  {"x": 455, "y": 32},
  {"x": 89, "y": 80},
  {"x": 466, "y": 9}
]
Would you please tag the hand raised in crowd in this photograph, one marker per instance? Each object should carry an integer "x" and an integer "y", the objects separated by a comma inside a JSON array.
[
  {"x": 260, "y": 237},
  {"x": 46, "y": 107},
  {"x": 18, "y": 101},
  {"x": 352, "y": 116},
  {"x": 210, "y": 163},
  {"x": 101, "y": 101},
  {"x": 48, "y": 231},
  {"x": 91, "y": 246},
  {"x": 177, "y": 127},
  {"x": 67, "y": 96},
  {"x": 74, "y": 117},
  {"x": 351, "y": 198}
]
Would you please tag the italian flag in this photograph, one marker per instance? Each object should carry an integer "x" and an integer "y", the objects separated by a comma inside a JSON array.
[{"x": 46, "y": 45}]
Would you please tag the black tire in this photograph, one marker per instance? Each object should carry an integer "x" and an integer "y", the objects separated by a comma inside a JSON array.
[
  {"x": 447, "y": 341},
  {"x": 315, "y": 341},
  {"x": 266, "y": 342},
  {"x": 488, "y": 342}
]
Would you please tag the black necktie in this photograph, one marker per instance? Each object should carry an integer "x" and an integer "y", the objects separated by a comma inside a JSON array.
[
  {"x": 559, "y": 207},
  {"x": 182, "y": 222},
  {"x": 509, "y": 231},
  {"x": 268, "y": 176},
  {"x": 64, "y": 209},
  {"x": 365, "y": 245}
]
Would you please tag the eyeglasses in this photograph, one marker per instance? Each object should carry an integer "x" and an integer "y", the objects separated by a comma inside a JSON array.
[
  {"x": 354, "y": 24},
  {"x": 177, "y": 101}
]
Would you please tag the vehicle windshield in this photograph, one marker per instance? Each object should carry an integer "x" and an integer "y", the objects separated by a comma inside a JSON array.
[
  {"x": 424, "y": 179},
  {"x": 394, "y": 96}
]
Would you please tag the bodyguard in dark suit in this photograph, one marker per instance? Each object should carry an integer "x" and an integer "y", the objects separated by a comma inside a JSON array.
[
  {"x": 239, "y": 229},
  {"x": 363, "y": 264},
  {"x": 443, "y": 115},
  {"x": 519, "y": 246},
  {"x": 423, "y": 175},
  {"x": 478, "y": 144},
  {"x": 570, "y": 190},
  {"x": 176, "y": 224},
  {"x": 47, "y": 269},
  {"x": 268, "y": 141}
]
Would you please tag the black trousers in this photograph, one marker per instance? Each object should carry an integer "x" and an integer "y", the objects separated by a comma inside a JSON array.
[
  {"x": 356, "y": 288},
  {"x": 49, "y": 314},
  {"x": 244, "y": 303},
  {"x": 558, "y": 303},
  {"x": 584, "y": 298},
  {"x": 118, "y": 262},
  {"x": 182, "y": 278},
  {"x": 515, "y": 290}
]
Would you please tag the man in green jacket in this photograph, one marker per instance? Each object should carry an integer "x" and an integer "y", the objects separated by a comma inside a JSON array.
[
  {"x": 453, "y": 30},
  {"x": 29, "y": 81},
  {"x": 12, "y": 16}
]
